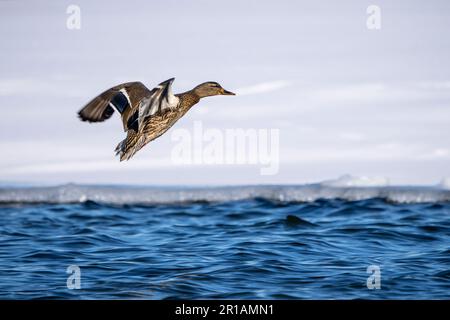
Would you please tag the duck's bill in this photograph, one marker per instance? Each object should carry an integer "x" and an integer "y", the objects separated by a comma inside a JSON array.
[{"x": 228, "y": 93}]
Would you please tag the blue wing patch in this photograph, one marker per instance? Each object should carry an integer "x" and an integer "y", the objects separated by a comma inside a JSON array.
[{"x": 120, "y": 102}]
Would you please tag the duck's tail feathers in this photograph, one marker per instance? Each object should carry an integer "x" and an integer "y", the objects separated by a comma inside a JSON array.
[
  {"x": 120, "y": 146},
  {"x": 128, "y": 147},
  {"x": 121, "y": 149}
]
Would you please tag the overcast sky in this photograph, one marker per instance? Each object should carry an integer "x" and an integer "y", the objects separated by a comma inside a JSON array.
[{"x": 345, "y": 99}]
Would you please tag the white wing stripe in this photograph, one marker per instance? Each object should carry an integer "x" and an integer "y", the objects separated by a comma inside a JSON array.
[{"x": 125, "y": 93}]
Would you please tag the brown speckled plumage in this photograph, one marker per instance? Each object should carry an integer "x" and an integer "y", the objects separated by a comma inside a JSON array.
[
  {"x": 156, "y": 126},
  {"x": 146, "y": 114}
]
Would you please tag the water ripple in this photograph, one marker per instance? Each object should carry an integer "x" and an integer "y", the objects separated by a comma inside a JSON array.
[{"x": 259, "y": 247}]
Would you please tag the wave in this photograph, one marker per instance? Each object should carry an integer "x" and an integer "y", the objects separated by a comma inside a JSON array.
[{"x": 73, "y": 193}]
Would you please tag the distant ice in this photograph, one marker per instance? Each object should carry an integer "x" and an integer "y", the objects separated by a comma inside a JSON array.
[
  {"x": 352, "y": 181},
  {"x": 445, "y": 183},
  {"x": 120, "y": 195}
]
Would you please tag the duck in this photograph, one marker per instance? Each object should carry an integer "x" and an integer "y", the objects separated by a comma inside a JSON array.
[{"x": 146, "y": 114}]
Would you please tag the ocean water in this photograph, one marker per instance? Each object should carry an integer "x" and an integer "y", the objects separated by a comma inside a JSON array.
[{"x": 266, "y": 242}]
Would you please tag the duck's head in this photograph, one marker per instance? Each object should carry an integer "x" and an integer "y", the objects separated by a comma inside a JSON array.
[{"x": 211, "y": 88}]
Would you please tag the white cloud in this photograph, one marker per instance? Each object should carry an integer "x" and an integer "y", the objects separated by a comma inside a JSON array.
[
  {"x": 56, "y": 86},
  {"x": 389, "y": 151},
  {"x": 20, "y": 86},
  {"x": 439, "y": 153},
  {"x": 354, "y": 93},
  {"x": 352, "y": 136},
  {"x": 404, "y": 94},
  {"x": 263, "y": 87},
  {"x": 435, "y": 85},
  {"x": 85, "y": 166}
]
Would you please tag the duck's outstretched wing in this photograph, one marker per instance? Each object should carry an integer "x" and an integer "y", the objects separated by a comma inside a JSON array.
[
  {"x": 124, "y": 98},
  {"x": 134, "y": 101}
]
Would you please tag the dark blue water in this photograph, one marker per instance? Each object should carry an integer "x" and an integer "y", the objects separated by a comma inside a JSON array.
[{"x": 244, "y": 247}]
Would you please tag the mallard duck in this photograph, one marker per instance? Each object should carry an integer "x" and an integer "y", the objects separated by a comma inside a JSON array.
[{"x": 146, "y": 114}]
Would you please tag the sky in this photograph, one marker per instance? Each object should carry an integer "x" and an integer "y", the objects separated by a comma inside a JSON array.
[{"x": 335, "y": 97}]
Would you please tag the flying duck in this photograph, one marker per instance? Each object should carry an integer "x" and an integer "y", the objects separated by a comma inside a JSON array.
[{"x": 146, "y": 114}]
